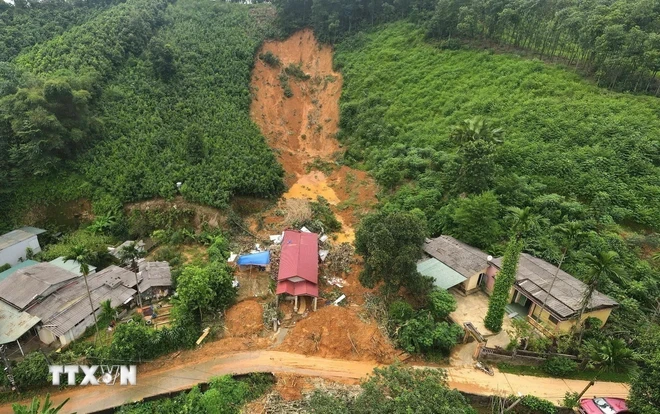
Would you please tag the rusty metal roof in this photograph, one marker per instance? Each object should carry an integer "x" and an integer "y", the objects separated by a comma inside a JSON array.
[{"x": 14, "y": 323}]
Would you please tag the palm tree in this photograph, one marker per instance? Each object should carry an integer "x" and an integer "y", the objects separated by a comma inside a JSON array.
[
  {"x": 611, "y": 355},
  {"x": 83, "y": 256},
  {"x": 572, "y": 236},
  {"x": 523, "y": 220},
  {"x": 131, "y": 253},
  {"x": 33, "y": 408},
  {"x": 474, "y": 129},
  {"x": 601, "y": 266}
]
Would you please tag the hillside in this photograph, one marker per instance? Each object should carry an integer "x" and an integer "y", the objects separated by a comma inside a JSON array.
[
  {"x": 127, "y": 104},
  {"x": 570, "y": 151}
]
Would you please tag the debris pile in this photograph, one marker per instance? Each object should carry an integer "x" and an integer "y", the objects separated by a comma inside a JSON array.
[
  {"x": 338, "y": 332},
  {"x": 244, "y": 319}
]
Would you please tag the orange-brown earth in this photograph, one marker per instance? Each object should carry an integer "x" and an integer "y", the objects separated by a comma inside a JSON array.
[
  {"x": 301, "y": 129},
  {"x": 244, "y": 319},
  {"x": 338, "y": 332}
]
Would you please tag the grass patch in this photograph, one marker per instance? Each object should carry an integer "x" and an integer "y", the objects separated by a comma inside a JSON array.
[{"x": 586, "y": 375}]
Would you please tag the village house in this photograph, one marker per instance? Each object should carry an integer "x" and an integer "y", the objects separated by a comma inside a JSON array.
[
  {"x": 549, "y": 298},
  {"x": 15, "y": 244},
  {"x": 298, "y": 274}
]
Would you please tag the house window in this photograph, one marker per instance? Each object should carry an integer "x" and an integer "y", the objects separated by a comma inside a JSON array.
[{"x": 553, "y": 319}]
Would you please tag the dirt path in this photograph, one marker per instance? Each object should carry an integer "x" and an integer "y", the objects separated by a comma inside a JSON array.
[
  {"x": 302, "y": 128},
  {"x": 86, "y": 399}
]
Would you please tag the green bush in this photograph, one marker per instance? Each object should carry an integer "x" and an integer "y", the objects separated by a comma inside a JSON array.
[
  {"x": 400, "y": 311},
  {"x": 536, "y": 405},
  {"x": 559, "y": 366},
  {"x": 296, "y": 72},
  {"x": 270, "y": 59},
  {"x": 31, "y": 372}
]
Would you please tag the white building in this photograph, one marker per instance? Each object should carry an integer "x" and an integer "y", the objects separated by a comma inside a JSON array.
[{"x": 15, "y": 244}]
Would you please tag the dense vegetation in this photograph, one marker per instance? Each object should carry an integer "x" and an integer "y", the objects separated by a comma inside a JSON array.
[
  {"x": 187, "y": 121},
  {"x": 133, "y": 101},
  {"x": 30, "y": 22},
  {"x": 224, "y": 395}
]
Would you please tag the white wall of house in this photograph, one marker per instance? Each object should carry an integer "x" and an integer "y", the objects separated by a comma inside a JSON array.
[
  {"x": 16, "y": 253},
  {"x": 46, "y": 335}
]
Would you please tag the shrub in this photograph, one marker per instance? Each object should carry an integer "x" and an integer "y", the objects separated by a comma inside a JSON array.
[
  {"x": 537, "y": 405},
  {"x": 559, "y": 366},
  {"x": 270, "y": 59},
  {"x": 32, "y": 372},
  {"x": 5, "y": 267},
  {"x": 296, "y": 71},
  {"x": 400, "y": 311}
]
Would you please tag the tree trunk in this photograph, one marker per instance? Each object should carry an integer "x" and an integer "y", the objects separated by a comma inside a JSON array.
[{"x": 91, "y": 304}]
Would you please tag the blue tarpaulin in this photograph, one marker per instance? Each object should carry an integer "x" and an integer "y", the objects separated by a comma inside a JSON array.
[{"x": 255, "y": 259}]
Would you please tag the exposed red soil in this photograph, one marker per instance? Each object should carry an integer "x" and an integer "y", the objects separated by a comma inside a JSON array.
[
  {"x": 203, "y": 214},
  {"x": 338, "y": 332},
  {"x": 244, "y": 319}
]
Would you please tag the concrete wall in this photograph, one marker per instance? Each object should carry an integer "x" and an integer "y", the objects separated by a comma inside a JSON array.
[
  {"x": 566, "y": 326},
  {"x": 16, "y": 253},
  {"x": 472, "y": 283},
  {"x": 491, "y": 271},
  {"x": 46, "y": 336}
]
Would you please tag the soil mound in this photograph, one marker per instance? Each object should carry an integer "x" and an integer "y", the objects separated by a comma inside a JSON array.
[
  {"x": 244, "y": 319},
  {"x": 337, "y": 332}
]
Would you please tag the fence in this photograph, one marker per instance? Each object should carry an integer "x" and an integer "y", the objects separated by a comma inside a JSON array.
[{"x": 520, "y": 357}]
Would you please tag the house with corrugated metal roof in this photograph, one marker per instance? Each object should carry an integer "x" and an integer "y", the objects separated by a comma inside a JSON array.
[
  {"x": 549, "y": 297},
  {"x": 15, "y": 244},
  {"x": 298, "y": 274}
]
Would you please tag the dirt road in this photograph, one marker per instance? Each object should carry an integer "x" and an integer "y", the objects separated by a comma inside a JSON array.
[{"x": 91, "y": 398}]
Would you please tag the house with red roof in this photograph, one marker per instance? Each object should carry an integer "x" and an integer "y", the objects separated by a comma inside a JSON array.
[{"x": 299, "y": 266}]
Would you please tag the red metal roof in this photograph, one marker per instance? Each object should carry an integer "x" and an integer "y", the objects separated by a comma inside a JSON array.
[
  {"x": 303, "y": 288},
  {"x": 299, "y": 256}
]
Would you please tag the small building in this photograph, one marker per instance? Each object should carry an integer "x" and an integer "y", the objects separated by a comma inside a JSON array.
[
  {"x": 451, "y": 262},
  {"x": 15, "y": 244},
  {"x": 298, "y": 273},
  {"x": 549, "y": 297},
  {"x": 155, "y": 280},
  {"x": 31, "y": 283},
  {"x": 66, "y": 313},
  {"x": 71, "y": 265},
  {"x": 116, "y": 251}
]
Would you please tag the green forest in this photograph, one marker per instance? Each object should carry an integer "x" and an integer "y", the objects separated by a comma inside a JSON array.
[{"x": 132, "y": 102}]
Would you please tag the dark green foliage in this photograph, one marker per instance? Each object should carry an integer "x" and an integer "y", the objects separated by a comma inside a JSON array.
[
  {"x": 284, "y": 83},
  {"x": 296, "y": 72},
  {"x": 423, "y": 334},
  {"x": 36, "y": 408},
  {"x": 225, "y": 395},
  {"x": 440, "y": 304},
  {"x": 644, "y": 395},
  {"x": 96, "y": 244},
  {"x": 560, "y": 366},
  {"x": 22, "y": 27},
  {"x": 503, "y": 284},
  {"x": 323, "y": 215},
  {"x": 270, "y": 59},
  {"x": 474, "y": 219},
  {"x": 397, "y": 389},
  {"x": 5, "y": 267},
  {"x": 536, "y": 405},
  {"x": 610, "y": 40},
  {"x": 400, "y": 311},
  {"x": 610, "y": 354},
  {"x": 206, "y": 289},
  {"x": 321, "y": 402},
  {"x": 391, "y": 244},
  {"x": 31, "y": 372},
  {"x": 195, "y": 128}
]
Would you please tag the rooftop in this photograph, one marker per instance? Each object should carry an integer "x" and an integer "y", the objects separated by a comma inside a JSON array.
[
  {"x": 464, "y": 259},
  {"x": 70, "y": 265},
  {"x": 17, "y": 236},
  {"x": 14, "y": 268},
  {"x": 28, "y": 283},
  {"x": 154, "y": 274},
  {"x": 115, "y": 275},
  {"x": 14, "y": 323},
  {"x": 69, "y": 306},
  {"x": 535, "y": 276},
  {"x": 299, "y": 256},
  {"x": 443, "y": 276}
]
